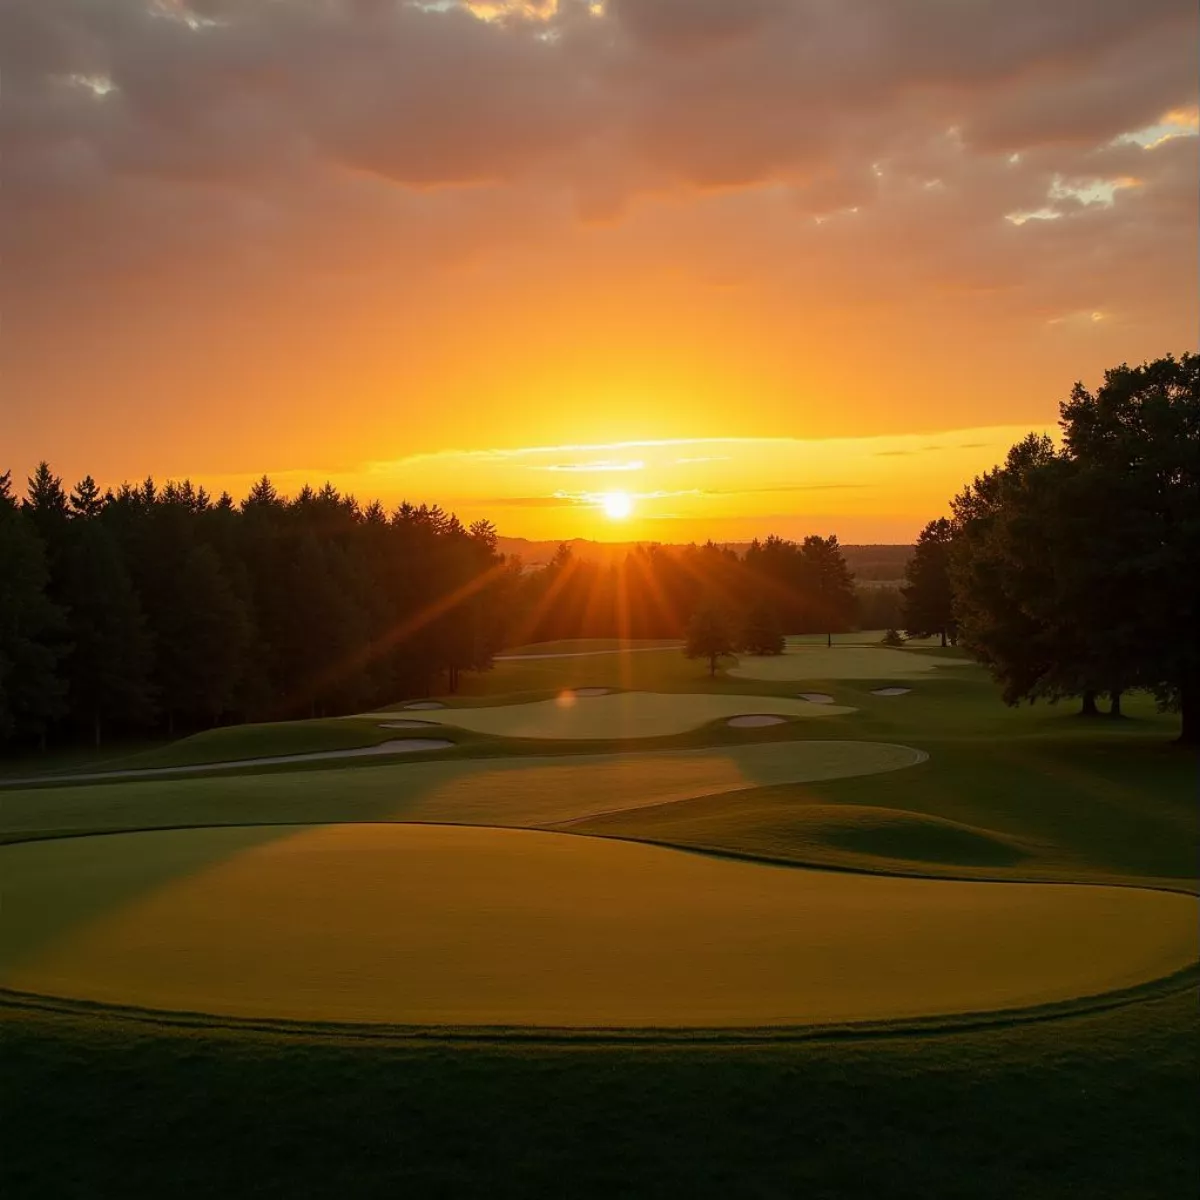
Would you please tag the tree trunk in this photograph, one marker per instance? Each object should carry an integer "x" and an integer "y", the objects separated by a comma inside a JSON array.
[
  {"x": 1088, "y": 708},
  {"x": 943, "y": 639},
  {"x": 1189, "y": 731},
  {"x": 712, "y": 666},
  {"x": 1114, "y": 708},
  {"x": 96, "y": 726},
  {"x": 829, "y": 640}
]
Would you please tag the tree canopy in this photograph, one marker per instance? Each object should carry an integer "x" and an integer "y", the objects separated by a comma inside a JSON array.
[
  {"x": 709, "y": 635},
  {"x": 1073, "y": 569},
  {"x": 928, "y": 598}
]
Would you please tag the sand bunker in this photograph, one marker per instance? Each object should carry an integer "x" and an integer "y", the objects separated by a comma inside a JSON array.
[
  {"x": 432, "y": 925},
  {"x": 897, "y": 691},
  {"x": 817, "y": 697},
  {"x": 841, "y": 662},
  {"x": 425, "y": 704},
  {"x": 408, "y": 725},
  {"x": 585, "y": 692},
  {"x": 621, "y": 714},
  {"x": 754, "y": 721}
]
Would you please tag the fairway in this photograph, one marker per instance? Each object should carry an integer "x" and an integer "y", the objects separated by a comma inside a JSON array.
[
  {"x": 360, "y": 923},
  {"x": 578, "y": 715},
  {"x": 524, "y": 790},
  {"x": 800, "y": 662}
]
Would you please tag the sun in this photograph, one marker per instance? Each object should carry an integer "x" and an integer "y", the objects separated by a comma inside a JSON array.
[{"x": 617, "y": 505}]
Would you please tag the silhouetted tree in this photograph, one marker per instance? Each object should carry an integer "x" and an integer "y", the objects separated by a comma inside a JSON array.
[
  {"x": 32, "y": 693},
  {"x": 1072, "y": 569},
  {"x": 1000, "y": 565},
  {"x": 828, "y": 585},
  {"x": 108, "y": 667},
  {"x": 928, "y": 596},
  {"x": 709, "y": 636},
  {"x": 85, "y": 500},
  {"x": 761, "y": 632},
  {"x": 1136, "y": 444}
]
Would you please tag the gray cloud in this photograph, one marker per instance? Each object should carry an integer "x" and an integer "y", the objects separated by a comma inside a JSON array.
[{"x": 161, "y": 156}]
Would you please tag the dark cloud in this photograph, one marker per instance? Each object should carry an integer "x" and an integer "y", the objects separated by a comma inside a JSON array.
[{"x": 157, "y": 152}]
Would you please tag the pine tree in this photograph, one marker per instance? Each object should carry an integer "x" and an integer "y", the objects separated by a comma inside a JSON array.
[
  {"x": 46, "y": 505},
  {"x": 202, "y": 638},
  {"x": 828, "y": 585},
  {"x": 108, "y": 668},
  {"x": 32, "y": 696},
  {"x": 85, "y": 500}
]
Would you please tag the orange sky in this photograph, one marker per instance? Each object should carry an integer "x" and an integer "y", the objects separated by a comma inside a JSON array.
[{"x": 844, "y": 252}]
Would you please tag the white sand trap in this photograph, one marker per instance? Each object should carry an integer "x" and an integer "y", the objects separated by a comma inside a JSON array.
[
  {"x": 841, "y": 662},
  {"x": 408, "y": 725},
  {"x": 754, "y": 720},
  {"x": 817, "y": 697},
  {"x": 444, "y": 925},
  {"x": 585, "y": 692},
  {"x": 890, "y": 691},
  {"x": 621, "y": 714},
  {"x": 425, "y": 704}
]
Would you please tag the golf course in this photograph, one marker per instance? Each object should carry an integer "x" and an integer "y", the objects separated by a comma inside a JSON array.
[{"x": 609, "y": 875}]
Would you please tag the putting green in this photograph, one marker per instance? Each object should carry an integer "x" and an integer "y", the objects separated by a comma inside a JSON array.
[
  {"x": 840, "y": 662},
  {"x": 619, "y": 714},
  {"x": 465, "y": 926}
]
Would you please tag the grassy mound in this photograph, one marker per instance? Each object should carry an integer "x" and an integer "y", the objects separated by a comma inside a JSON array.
[
  {"x": 761, "y": 823},
  {"x": 357, "y": 923},
  {"x": 913, "y": 837}
]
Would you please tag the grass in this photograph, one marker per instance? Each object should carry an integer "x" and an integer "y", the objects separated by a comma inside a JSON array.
[
  {"x": 799, "y": 663},
  {"x": 1098, "y": 1104},
  {"x": 550, "y": 930},
  {"x": 621, "y": 715},
  {"x": 594, "y": 646},
  {"x": 526, "y": 790}
]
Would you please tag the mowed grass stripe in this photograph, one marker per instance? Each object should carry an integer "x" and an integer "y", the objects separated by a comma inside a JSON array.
[
  {"x": 432, "y": 925},
  {"x": 526, "y": 790}
]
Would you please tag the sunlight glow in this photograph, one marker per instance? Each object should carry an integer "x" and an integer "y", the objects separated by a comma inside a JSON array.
[{"x": 617, "y": 505}]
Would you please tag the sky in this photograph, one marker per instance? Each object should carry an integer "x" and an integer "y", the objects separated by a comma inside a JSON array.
[{"x": 759, "y": 265}]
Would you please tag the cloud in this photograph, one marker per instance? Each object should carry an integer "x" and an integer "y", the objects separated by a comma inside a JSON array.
[
  {"x": 784, "y": 487},
  {"x": 220, "y": 201},
  {"x": 558, "y": 500},
  {"x": 589, "y": 467}
]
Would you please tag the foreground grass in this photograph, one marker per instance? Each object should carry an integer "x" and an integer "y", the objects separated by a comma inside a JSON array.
[{"x": 1100, "y": 1106}]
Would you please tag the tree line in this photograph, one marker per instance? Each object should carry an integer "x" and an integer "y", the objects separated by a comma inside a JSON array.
[
  {"x": 1070, "y": 571},
  {"x": 161, "y": 609}
]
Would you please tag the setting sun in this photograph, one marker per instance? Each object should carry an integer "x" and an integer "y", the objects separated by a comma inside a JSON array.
[{"x": 617, "y": 505}]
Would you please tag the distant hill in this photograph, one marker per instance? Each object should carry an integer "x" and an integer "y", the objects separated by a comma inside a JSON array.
[{"x": 870, "y": 564}]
